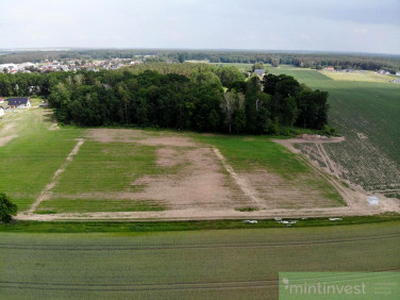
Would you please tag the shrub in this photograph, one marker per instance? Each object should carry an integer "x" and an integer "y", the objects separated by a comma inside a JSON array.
[{"x": 7, "y": 209}]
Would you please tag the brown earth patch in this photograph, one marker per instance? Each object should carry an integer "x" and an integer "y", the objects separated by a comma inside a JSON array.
[
  {"x": 105, "y": 135},
  {"x": 199, "y": 183},
  {"x": 169, "y": 157},
  {"x": 275, "y": 192},
  {"x": 171, "y": 141}
]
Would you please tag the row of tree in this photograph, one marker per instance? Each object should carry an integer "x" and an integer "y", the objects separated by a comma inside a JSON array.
[
  {"x": 200, "y": 97},
  {"x": 197, "y": 102},
  {"x": 306, "y": 60},
  {"x": 25, "y": 84}
]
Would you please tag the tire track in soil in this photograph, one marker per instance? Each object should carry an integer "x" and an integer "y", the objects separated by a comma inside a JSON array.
[
  {"x": 104, "y": 287},
  {"x": 143, "y": 287},
  {"x": 240, "y": 182},
  {"x": 326, "y": 159}
]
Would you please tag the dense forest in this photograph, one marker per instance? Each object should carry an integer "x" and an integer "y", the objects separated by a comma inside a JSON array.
[
  {"x": 299, "y": 59},
  {"x": 209, "y": 99}
]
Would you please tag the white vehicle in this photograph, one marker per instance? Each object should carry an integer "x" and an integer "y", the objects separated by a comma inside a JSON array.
[{"x": 250, "y": 221}]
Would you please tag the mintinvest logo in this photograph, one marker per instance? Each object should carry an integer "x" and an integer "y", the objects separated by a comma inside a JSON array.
[{"x": 343, "y": 285}]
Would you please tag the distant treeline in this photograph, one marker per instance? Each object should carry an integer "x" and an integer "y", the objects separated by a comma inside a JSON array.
[
  {"x": 197, "y": 101},
  {"x": 304, "y": 60}
]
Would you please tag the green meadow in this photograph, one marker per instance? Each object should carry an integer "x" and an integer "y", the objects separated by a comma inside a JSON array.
[{"x": 29, "y": 161}]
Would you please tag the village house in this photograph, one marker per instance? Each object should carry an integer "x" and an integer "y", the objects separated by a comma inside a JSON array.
[
  {"x": 1, "y": 111},
  {"x": 259, "y": 72},
  {"x": 1, "y": 100},
  {"x": 19, "y": 102}
]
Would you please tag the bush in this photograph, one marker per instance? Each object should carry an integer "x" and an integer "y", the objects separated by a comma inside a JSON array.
[
  {"x": 7, "y": 209},
  {"x": 330, "y": 131}
]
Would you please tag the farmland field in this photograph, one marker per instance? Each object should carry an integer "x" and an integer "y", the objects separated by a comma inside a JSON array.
[
  {"x": 132, "y": 173},
  {"x": 367, "y": 114},
  {"x": 210, "y": 264}
]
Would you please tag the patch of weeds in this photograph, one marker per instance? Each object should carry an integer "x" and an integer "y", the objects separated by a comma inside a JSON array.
[
  {"x": 45, "y": 212},
  {"x": 247, "y": 209},
  {"x": 345, "y": 184}
]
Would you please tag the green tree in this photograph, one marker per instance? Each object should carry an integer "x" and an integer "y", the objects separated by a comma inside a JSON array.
[
  {"x": 258, "y": 65},
  {"x": 275, "y": 62},
  {"x": 7, "y": 209},
  {"x": 228, "y": 106}
]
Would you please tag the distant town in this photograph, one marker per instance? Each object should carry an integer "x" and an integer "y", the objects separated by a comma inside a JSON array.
[
  {"x": 47, "y": 66},
  {"x": 95, "y": 65}
]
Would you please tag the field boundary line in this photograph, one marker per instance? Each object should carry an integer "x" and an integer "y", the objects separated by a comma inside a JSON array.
[
  {"x": 45, "y": 194},
  {"x": 241, "y": 182}
]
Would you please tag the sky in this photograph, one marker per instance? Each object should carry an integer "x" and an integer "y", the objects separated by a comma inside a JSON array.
[{"x": 370, "y": 26}]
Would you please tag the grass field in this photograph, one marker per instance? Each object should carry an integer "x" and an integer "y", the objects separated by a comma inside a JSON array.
[
  {"x": 211, "y": 264},
  {"x": 242, "y": 67},
  {"x": 367, "y": 114},
  {"x": 72, "y": 170},
  {"x": 364, "y": 76},
  {"x": 29, "y": 161}
]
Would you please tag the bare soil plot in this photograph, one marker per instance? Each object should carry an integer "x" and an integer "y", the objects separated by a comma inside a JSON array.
[
  {"x": 185, "y": 175},
  {"x": 137, "y": 174},
  {"x": 354, "y": 195},
  {"x": 188, "y": 179}
]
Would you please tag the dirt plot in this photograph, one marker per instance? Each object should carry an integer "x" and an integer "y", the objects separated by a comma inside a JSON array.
[
  {"x": 197, "y": 182},
  {"x": 274, "y": 192},
  {"x": 106, "y": 135},
  {"x": 320, "y": 156}
]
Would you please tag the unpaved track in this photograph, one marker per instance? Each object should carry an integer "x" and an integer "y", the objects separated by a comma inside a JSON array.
[
  {"x": 45, "y": 194},
  {"x": 240, "y": 181}
]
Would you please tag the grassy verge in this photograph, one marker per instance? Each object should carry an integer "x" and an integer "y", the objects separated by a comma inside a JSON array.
[
  {"x": 76, "y": 227},
  {"x": 57, "y": 205}
]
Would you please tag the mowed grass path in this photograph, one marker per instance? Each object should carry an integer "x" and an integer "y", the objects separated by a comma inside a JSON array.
[
  {"x": 368, "y": 115},
  {"x": 29, "y": 161},
  {"x": 214, "y": 264}
]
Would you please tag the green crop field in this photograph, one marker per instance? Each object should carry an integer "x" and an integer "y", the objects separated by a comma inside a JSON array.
[
  {"x": 209, "y": 264},
  {"x": 368, "y": 115}
]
